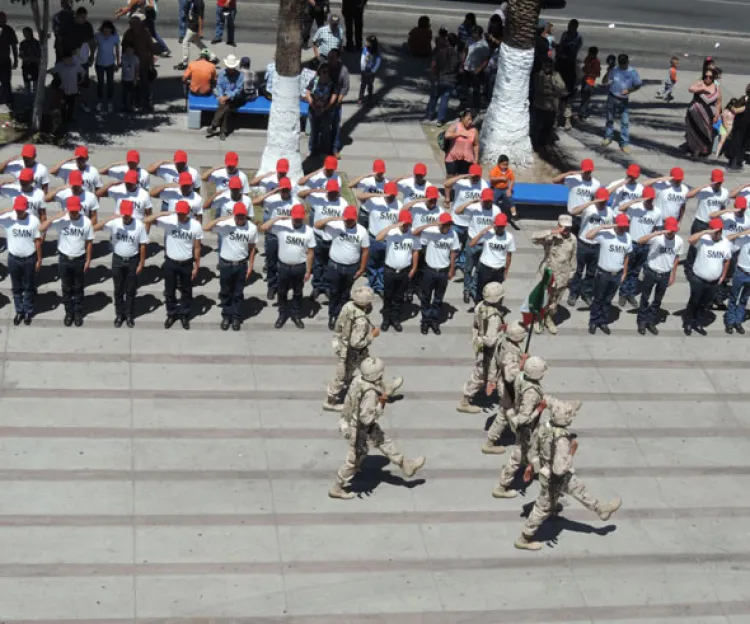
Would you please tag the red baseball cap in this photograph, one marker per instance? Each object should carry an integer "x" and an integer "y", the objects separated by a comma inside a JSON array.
[
  {"x": 378, "y": 166},
  {"x": 330, "y": 163},
  {"x": 185, "y": 179},
  {"x": 420, "y": 169},
  {"x": 75, "y": 178},
  {"x": 716, "y": 224},
  {"x": 404, "y": 216},
  {"x": 431, "y": 192},
  {"x": 740, "y": 202},
  {"x": 81, "y": 152},
  {"x": 20, "y": 203},
  {"x": 332, "y": 186},
  {"x": 501, "y": 219},
  {"x": 131, "y": 177},
  {"x": 235, "y": 183},
  {"x": 717, "y": 175},
  {"x": 285, "y": 183},
  {"x": 350, "y": 212},
  {"x": 633, "y": 171},
  {"x": 133, "y": 156},
  {"x": 73, "y": 203},
  {"x": 488, "y": 194},
  {"x": 390, "y": 189},
  {"x": 282, "y": 165},
  {"x": 231, "y": 159},
  {"x": 298, "y": 211},
  {"x": 126, "y": 208},
  {"x": 26, "y": 175},
  {"x": 445, "y": 218},
  {"x": 182, "y": 207},
  {"x": 601, "y": 194},
  {"x": 28, "y": 151},
  {"x": 239, "y": 209},
  {"x": 671, "y": 225},
  {"x": 180, "y": 156},
  {"x": 622, "y": 220},
  {"x": 587, "y": 164},
  {"x": 475, "y": 170},
  {"x": 649, "y": 192},
  {"x": 677, "y": 173}
]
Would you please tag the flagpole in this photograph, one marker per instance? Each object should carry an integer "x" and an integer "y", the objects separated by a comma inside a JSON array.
[{"x": 531, "y": 331}]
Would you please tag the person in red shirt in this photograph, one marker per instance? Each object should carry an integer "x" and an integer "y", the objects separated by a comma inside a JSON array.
[
  {"x": 592, "y": 69},
  {"x": 226, "y": 10}
]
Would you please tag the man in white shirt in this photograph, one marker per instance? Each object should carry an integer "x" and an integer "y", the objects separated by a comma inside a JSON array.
[
  {"x": 582, "y": 184},
  {"x": 182, "y": 259},
  {"x": 236, "y": 260},
  {"x": 270, "y": 180},
  {"x": 223, "y": 202},
  {"x": 711, "y": 197},
  {"x": 319, "y": 178},
  {"x": 738, "y": 296},
  {"x": 401, "y": 260},
  {"x": 425, "y": 210},
  {"x": 220, "y": 176},
  {"x": 75, "y": 236},
  {"x": 75, "y": 187},
  {"x": 590, "y": 215},
  {"x": 350, "y": 247},
  {"x": 497, "y": 253},
  {"x": 119, "y": 170},
  {"x": 415, "y": 186},
  {"x": 382, "y": 208},
  {"x": 712, "y": 258},
  {"x": 129, "y": 189},
  {"x": 365, "y": 186},
  {"x": 735, "y": 220},
  {"x": 79, "y": 162},
  {"x": 644, "y": 218},
  {"x": 671, "y": 193},
  {"x": 129, "y": 238},
  {"x": 27, "y": 160},
  {"x": 615, "y": 246},
  {"x": 296, "y": 249},
  {"x": 26, "y": 188},
  {"x": 663, "y": 257},
  {"x": 441, "y": 246},
  {"x": 170, "y": 172},
  {"x": 182, "y": 190},
  {"x": 627, "y": 189},
  {"x": 24, "y": 256}
]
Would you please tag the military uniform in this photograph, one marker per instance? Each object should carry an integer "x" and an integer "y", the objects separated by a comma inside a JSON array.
[
  {"x": 363, "y": 407},
  {"x": 557, "y": 475}
]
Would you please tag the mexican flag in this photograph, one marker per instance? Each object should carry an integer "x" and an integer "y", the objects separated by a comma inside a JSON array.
[{"x": 535, "y": 306}]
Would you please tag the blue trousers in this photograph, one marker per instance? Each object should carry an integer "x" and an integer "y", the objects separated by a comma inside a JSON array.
[
  {"x": 336, "y": 130},
  {"x": 586, "y": 259},
  {"x": 648, "y": 313},
  {"x": 637, "y": 259},
  {"x": 471, "y": 271},
  {"x": 738, "y": 297},
  {"x": 376, "y": 265},
  {"x": 605, "y": 287},
  {"x": 23, "y": 282},
  {"x": 462, "y": 231},
  {"x": 229, "y": 17},
  {"x": 340, "y": 282},
  {"x": 272, "y": 261},
  {"x": 439, "y": 94},
  {"x": 618, "y": 109},
  {"x": 320, "y": 264},
  {"x": 433, "y": 286},
  {"x": 181, "y": 25}
]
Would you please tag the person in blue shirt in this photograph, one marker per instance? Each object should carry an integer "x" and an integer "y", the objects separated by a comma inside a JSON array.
[
  {"x": 229, "y": 91},
  {"x": 622, "y": 80}
]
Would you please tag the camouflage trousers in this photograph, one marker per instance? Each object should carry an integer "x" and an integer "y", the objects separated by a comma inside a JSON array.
[
  {"x": 346, "y": 368},
  {"x": 359, "y": 444},
  {"x": 544, "y": 505},
  {"x": 520, "y": 456},
  {"x": 555, "y": 296},
  {"x": 501, "y": 423},
  {"x": 476, "y": 380}
]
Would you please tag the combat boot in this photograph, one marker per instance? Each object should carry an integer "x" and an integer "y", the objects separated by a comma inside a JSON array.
[
  {"x": 501, "y": 492},
  {"x": 467, "y": 408},
  {"x": 410, "y": 466},
  {"x": 551, "y": 326},
  {"x": 338, "y": 492},
  {"x": 607, "y": 509},
  {"x": 538, "y": 328},
  {"x": 393, "y": 385},
  {"x": 330, "y": 404},
  {"x": 524, "y": 543},
  {"x": 490, "y": 448}
]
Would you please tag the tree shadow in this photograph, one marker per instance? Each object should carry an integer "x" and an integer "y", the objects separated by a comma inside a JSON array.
[{"x": 372, "y": 473}]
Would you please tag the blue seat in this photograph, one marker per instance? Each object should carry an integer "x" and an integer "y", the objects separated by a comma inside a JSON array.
[
  {"x": 208, "y": 103},
  {"x": 540, "y": 194}
]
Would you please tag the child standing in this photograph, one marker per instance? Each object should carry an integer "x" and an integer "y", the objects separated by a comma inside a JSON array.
[
  {"x": 70, "y": 73},
  {"x": 592, "y": 69},
  {"x": 249, "y": 86},
  {"x": 665, "y": 93},
  {"x": 369, "y": 64},
  {"x": 727, "y": 121},
  {"x": 502, "y": 180},
  {"x": 31, "y": 54},
  {"x": 130, "y": 72}
]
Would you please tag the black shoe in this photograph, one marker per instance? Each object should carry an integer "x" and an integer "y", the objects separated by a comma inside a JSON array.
[
  {"x": 232, "y": 44},
  {"x": 572, "y": 299},
  {"x": 621, "y": 301},
  {"x": 729, "y": 329},
  {"x": 119, "y": 321},
  {"x": 28, "y": 317},
  {"x": 224, "y": 324},
  {"x": 78, "y": 320},
  {"x": 424, "y": 329},
  {"x": 652, "y": 328},
  {"x": 436, "y": 328},
  {"x": 130, "y": 322},
  {"x": 169, "y": 321},
  {"x": 271, "y": 294},
  {"x": 385, "y": 325},
  {"x": 592, "y": 329},
  {"x": 739, "y": 329},
  {"x": 222, "y": 136},
  {"x": 181, "y": 66},
  {"x": 236, "y": 325},
  {"x": 180, "y": 39},
  {"x": 185, "y": 322},
  {"x": 280, "y": 321},
  {"x": 315, "y": 294},
  {"x": 211, "y": 131},
  {"x": 298, "y": 322},
  {"x": 642, "y": 330},
  {"x": 68, "y": 321},
  {"x": 687, "y": 330},
  {"x": 605, "y": 329},
  {"x": 632, "y": 301},
  {"x": 467, "y": 297},
  {"x": 587, "y": 299},
  {"x": 397, "y": 326},
  {"x": 17, "y": 319},
  {"x": 215, "y": 40},
  {"x": 700, "y": 329},
  {"x": 331, "y": 323}
]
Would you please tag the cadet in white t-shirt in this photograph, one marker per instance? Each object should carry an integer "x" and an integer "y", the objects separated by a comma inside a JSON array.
[
  {"x": 350, "y": 248},
  {"x": 663, "y": 257},
  {"x": 711, "y": 197},
  {"x": 170, "y": 171},
  {"x": 26, "y": 188},
  {"x": 712, "y": 258},
  {"x": 464, "y": 188},
  {"x": 182, "y": 258},
  {"x": 24, "y": 256},
  {"x": 129, "y": 238},
  {"x": 296, "y": 250},
  {"x": 582, "y": 184},
  {"x": 627, "y": 189},
  {"x": 75, "y": 186},
  {"x": 75, "y": 236},
  {"x": 236, "y": 258},
  {"x": 367, "y": 186},
  {"x": 220, "y": 176},
  {"x": 382, "y": 208},
  {"x": 182, "y": 190},
  {"x": 222, "y": 202},
  {"x": 131, "y": 191},
  {"x": 615, "y": 247},
  {"x": 671, "y": 193},
  {"x": 320, "y": 178},
  {"x": 740, "y": 292},
  {"x": 401, "y": 261},
  {"x": 414, "y": 187},
  {"x": 119, "y": 171},
  {"x": 425, "y": 211},
  {"x": 441, "y": 247},
  {"x": 269, "y": 181},
  {"x": 498, "y": 246},
  {"x": 27, "y": 160},
  {"x": 92, "y": 181}
]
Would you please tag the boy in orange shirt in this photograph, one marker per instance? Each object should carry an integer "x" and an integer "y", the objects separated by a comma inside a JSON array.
[
  {"x": 592, "y": 69},
  {"x": 502, "y": 180},
  {"x": 665, "y": 93}
]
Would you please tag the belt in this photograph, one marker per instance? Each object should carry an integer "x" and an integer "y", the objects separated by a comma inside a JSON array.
[
  {"x": 70, "y": 258},
  {"x": 233, "y": 262},
  {"x": 333, "y": 263},
  {"x": 598, "y": 268},
  {"x": 397, "y": 270},
  {"x": 10, "y": 255},
  {"x": 123, "y": 258},
  {"x": 705, "y": 281},
  {"x": 445, "y": 270},
  {"x": 659, "y": 273},
  {"x": 293, "y": 266},
  {"x": 181, "y": 262},
  {"x": 587, "y": 243}
]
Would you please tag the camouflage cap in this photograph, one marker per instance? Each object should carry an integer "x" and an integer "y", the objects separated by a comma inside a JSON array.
[
  {"x": 372, "y": 369},
  {"x": 363, "y": 296},
  {"x": 535, "y": 368},
  {"x": 516, "y": 332},
  {"x": 493, "y": 292},
  {"x": 562, "y": 412}
]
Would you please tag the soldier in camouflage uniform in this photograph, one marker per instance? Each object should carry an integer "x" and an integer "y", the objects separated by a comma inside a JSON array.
[
  {"x": 486, "y": 335},
  {"x": 510, "y": 359},
  {"x": 352, "y": 336},
  {"x": 556, "y": 473},
  {"x": 523, "y": 418},
  {"x": 363, "y": 407},
  {"x": 560, "y": 258}
]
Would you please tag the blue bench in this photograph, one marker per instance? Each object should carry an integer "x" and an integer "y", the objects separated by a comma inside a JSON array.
[
  {"x": 540, "y": 194},
  {"x": 198, "y": 104}
]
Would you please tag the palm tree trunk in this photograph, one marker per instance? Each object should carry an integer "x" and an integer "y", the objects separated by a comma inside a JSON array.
[
  {"x": 282, "y": 140},
  {"x": 505, "y": 129},
  {"x": 41, "y": 21}
]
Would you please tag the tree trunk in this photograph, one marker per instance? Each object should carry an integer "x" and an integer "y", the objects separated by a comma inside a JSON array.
[
  {"x": 282, "y": 140},
  {"x": 505, "y": 129},
  {"x": 41, "y": 21}
]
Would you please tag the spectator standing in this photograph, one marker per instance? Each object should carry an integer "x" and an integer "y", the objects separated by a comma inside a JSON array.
[
  {"x": 464, "y": 149},
  {"x": 466, "y": 28},
  {"x": 8, "y": 51},
  {"x": 30, "y": 52},
  {"x": 320, "y": 96},
  {"x": 369, "y": 64},
  {"x": 229, "y": 90},
  {"x": 549, "y": 87},
  {"x": 702, "y": 114},
  {"x": 194, "y": 13},
  {"x": 622, "y": 80},
  {"x": 330, "y": 37},
  {"x": 226, "y": 11},
  {"x": 566, "y": 64},
  {"x": 420, "y": 38},
  {"x": 62, "y": 28},
  {"x": 130, "y": 66},
  {"x": 592, "y": 69},
  {"x": 476, "y": 60},
  {"x": 107, "y": 62},
  {"x": 665, "y": 93},
  {"x": 315, "y": 11},
  {"x": 444, "y": 67},
  {"x": 70, "y": 74},
  {"x": 353, "y": 12},
  {"x": 340, "y": 79},
  {"x": 84, "y": 42},
  {"x": 249, "y": 85},
  {"x": 736, "y": 147},
  {"x": 144, "y": 47},
  {"x": 200, "y": 76}
]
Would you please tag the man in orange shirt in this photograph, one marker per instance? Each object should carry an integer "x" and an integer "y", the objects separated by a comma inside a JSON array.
[
  {"x": 592, "y": 69},
  {"x": 200, "y": 75},
  {"x": 502, "y": 180}
]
